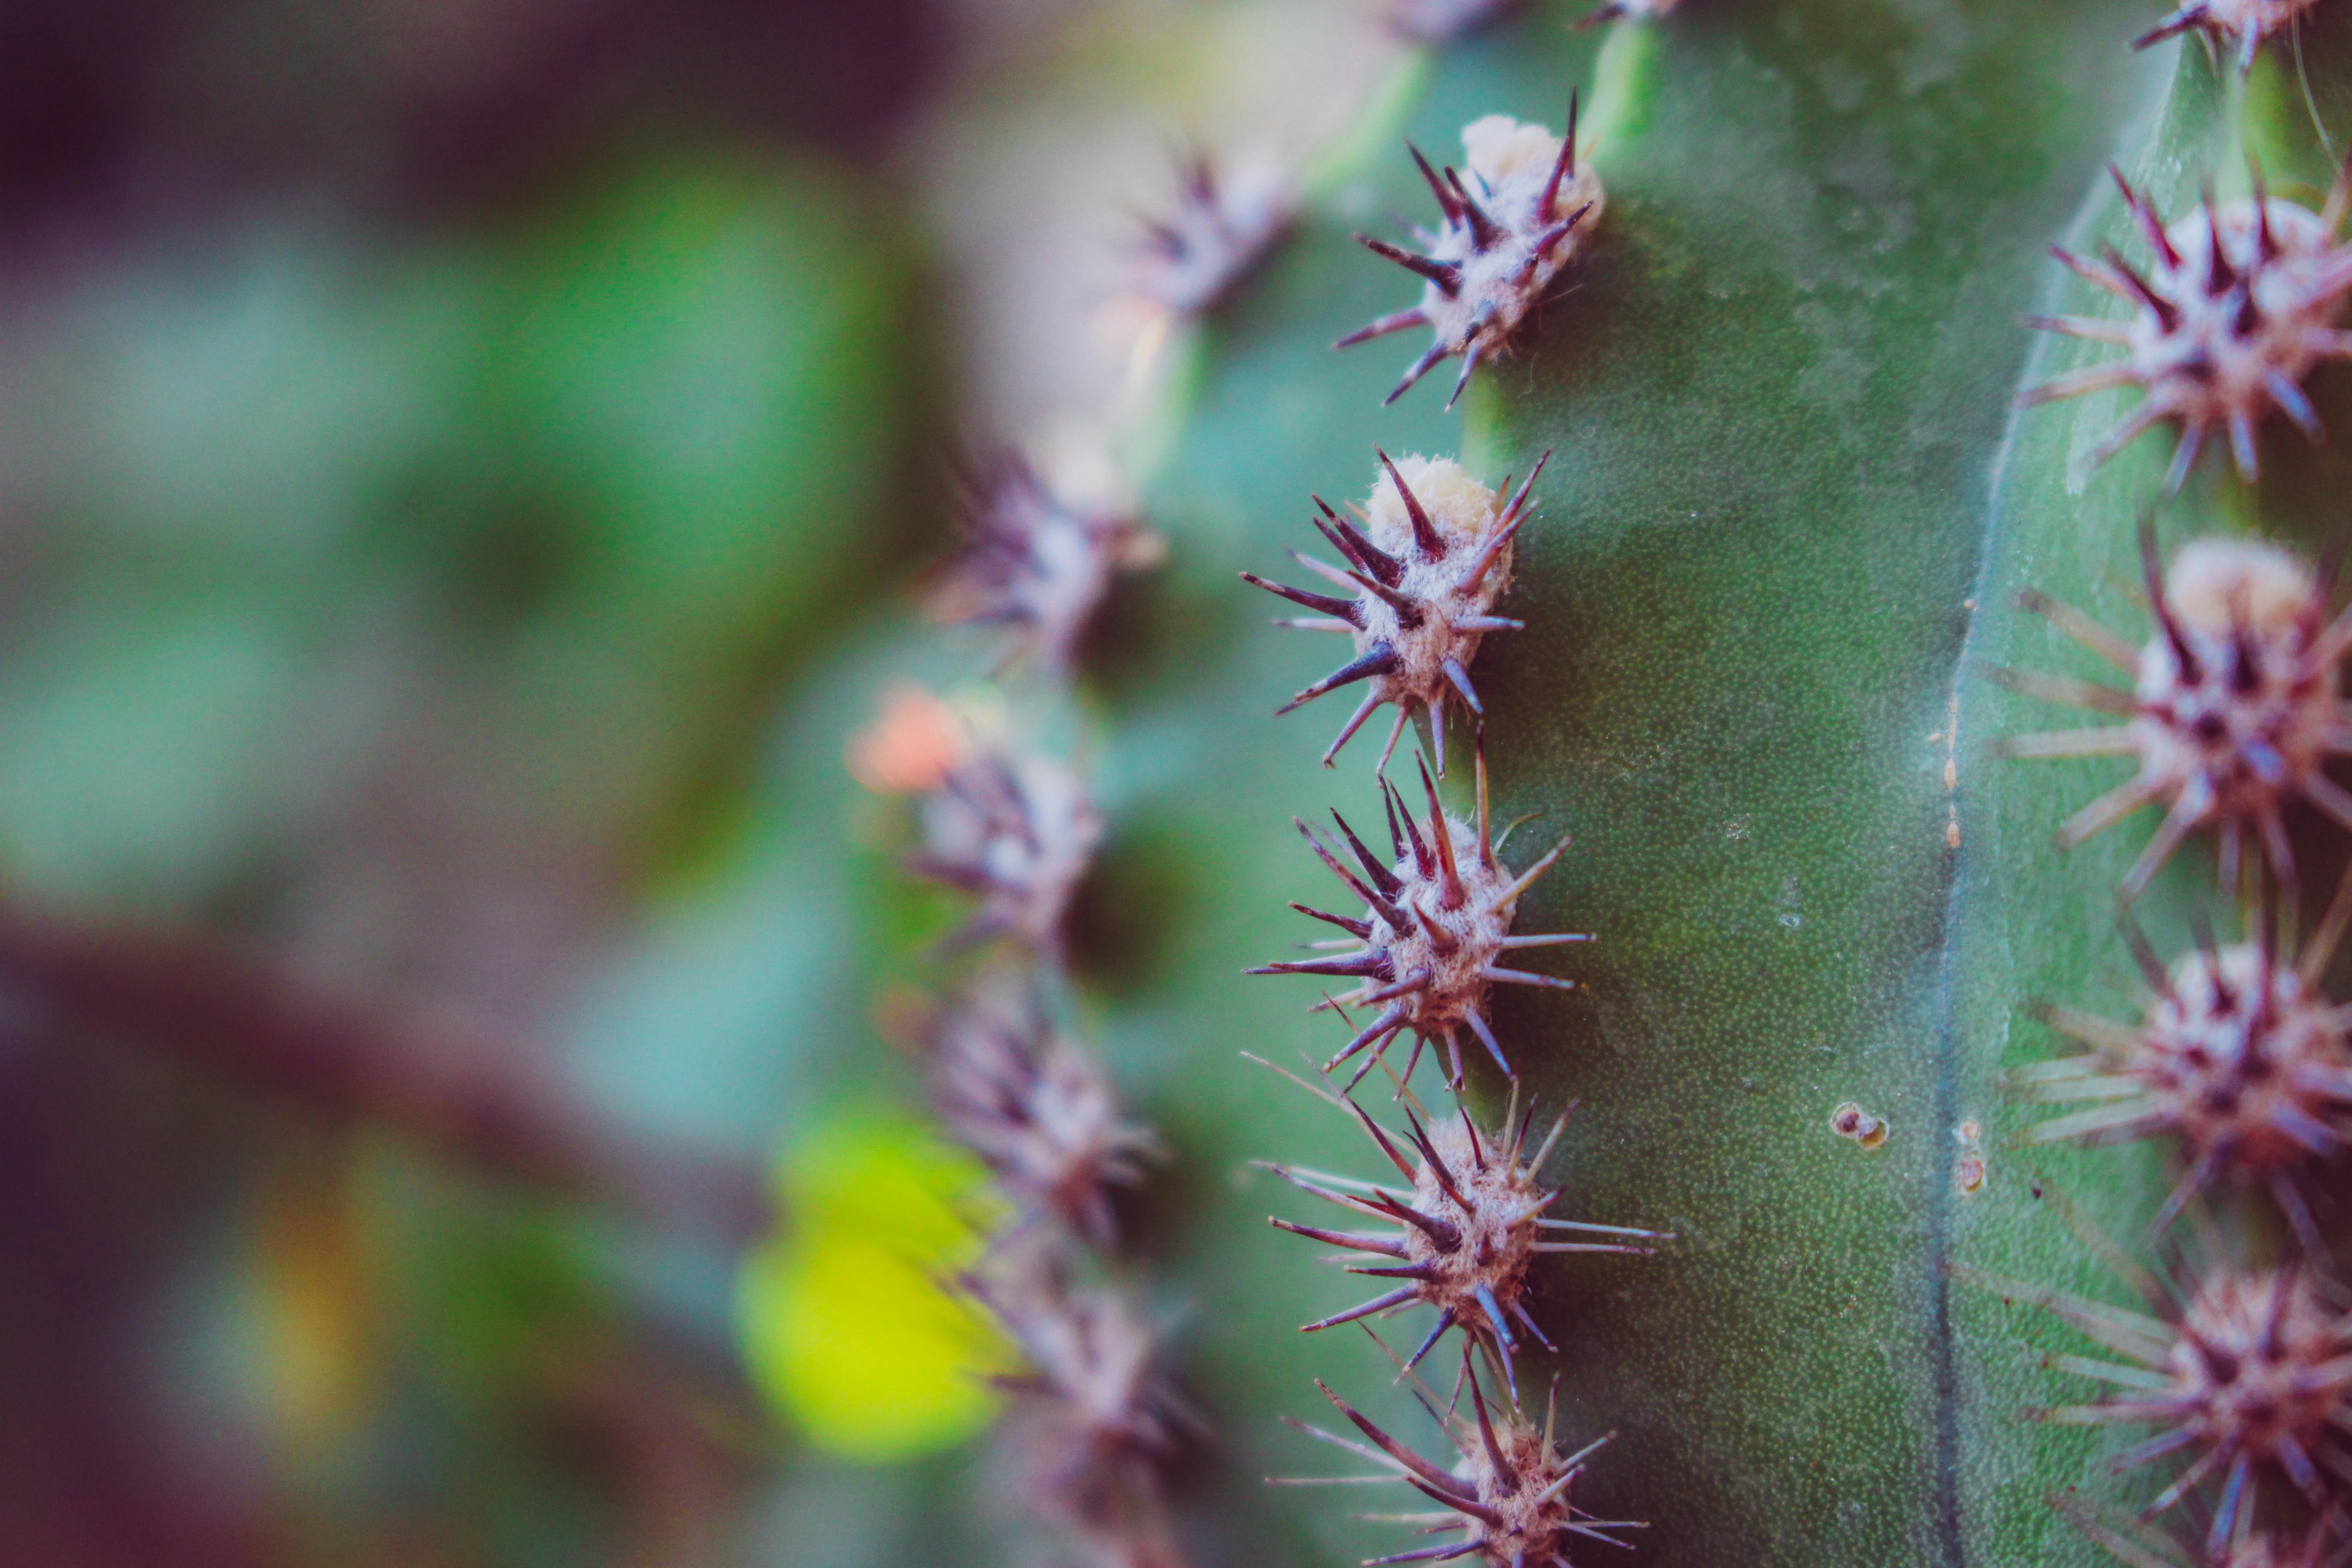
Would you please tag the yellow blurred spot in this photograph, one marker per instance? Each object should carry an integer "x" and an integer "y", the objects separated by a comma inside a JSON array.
[
  {"x": 317, "y": 1313},
  {"x": 843, "y": 1325}
]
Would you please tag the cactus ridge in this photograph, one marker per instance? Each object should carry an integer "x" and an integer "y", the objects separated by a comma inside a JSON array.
[
  {"x": 2237, "y": 1370},
  {"x": 1094, "y": 1421},
  {"x": 1431, "y": 559}
]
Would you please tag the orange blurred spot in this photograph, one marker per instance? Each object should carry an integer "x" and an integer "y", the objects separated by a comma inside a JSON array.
[{"x": 911, "y": 745}]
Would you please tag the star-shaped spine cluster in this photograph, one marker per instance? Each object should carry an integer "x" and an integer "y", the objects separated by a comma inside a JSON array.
[
  {"x": 1469, "y": 1223},
  {"x": 1033, "y": 560},
  {"x": 1038, "y": 1111},
  {"x": 1220, "y": 226},
  {"x": 1610, "y": 10},
  {"x": 2235, "y": 708},
  {"x": 2236, "y": 1055},
  {"x": 1436, "y": 21},
  {"x": 1422, "y": 571},
  {"x": 1094, "y": 1420},
  {"x": 1015, "y": 828},
  {"x": 2137, "y": 1543},
  {"x": 1488, "y": 266},
  {"x": 1507, "y": 1490},
  {"x": 2252, "y": 1372},
  {"x": 2238, "y": 303},
  {"x": 1435, "y": 927}
]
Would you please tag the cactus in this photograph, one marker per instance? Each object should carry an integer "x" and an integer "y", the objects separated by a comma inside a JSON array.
[
  {"x": 1826, "y": 531},
  {"x": 1957, "y": 1082}
]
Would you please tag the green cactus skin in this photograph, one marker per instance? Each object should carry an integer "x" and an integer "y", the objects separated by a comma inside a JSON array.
[{"x": 1778, "y": 550}]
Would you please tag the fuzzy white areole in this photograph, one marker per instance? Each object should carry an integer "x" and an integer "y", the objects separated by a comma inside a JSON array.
[
  {"x": 1426, "y": 557},
  {"x": 1492, "y": 260}
]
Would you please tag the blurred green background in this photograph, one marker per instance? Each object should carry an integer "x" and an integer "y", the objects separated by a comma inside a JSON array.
[{"x": 464, "y": 464}]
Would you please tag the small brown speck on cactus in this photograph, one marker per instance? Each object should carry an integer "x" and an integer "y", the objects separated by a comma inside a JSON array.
[
  {"x": 1507, "y": 1491},
  {"x": 1220, "y": 226},
  {"x": 2242, "y": 25},
  {"x": 1035, "y": 560},
  {"x": 1036, "y": 1107},
  {"x": 1468, "y": 1228},
  {"x": 1422, "y": 575},
  {"x": 2248, "y": 1371},
  {"x": 2239, "y": 303},
  {"x": 1499, "y": 249},
  {"x": 2234, "y": 709},
  {"x": 2236, "y": 1055},
  {"x": 1434, "y": 928}
]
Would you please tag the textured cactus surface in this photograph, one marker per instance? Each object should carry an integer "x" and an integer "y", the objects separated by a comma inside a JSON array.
[{"x": 1791, "y": 507}]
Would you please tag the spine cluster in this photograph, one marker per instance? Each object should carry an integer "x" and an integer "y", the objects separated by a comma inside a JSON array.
[
  {"x": 2234, "y": 306},
  {"x": 1435, "y": 928},
  {"x": 1223, "y": 222},
  {"x": 2238, "y": 26},
  {"x": 1464, "y": 1213},
  {"x": 1508, "y": 231},
  {"x": 2236, "y": 1371},
  {"x": 1092, "y": 1422}
]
